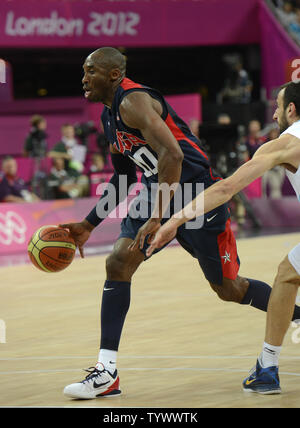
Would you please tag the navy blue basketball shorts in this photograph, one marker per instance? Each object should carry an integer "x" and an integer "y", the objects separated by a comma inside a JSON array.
[{"x": 213, "y": 244}]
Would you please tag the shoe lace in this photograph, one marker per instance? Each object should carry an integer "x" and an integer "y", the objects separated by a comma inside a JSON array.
[
  {"x": 252, "y": 371},
  {"x": 92, "y": 373}
]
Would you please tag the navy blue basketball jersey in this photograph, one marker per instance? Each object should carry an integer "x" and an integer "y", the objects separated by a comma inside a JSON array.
[{"x": 130, "y": 142}]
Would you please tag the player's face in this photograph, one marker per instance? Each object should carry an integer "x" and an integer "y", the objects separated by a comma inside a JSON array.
[
  {"x": 280, "y": 114},
  {"x": 96, "y": 81}
]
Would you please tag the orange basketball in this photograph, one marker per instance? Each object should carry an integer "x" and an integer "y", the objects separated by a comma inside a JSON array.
[{"x": 51, "y": 249}]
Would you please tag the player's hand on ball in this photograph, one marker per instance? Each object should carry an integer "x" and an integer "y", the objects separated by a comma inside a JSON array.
[
  {"x": 150, "y": 228},
  {"x": 80, "y": 232},
  {"x": 164, "y": 234}
]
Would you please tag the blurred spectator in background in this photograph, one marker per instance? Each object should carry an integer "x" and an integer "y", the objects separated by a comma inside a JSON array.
[
  {"x": 286, "y": 13},
  {"x": 102, "y": 143},
  {"x": 12, "y": 187},
  {"x": 36, "y": 142},
  {"x": 238, "y": 86},
  {"x": 237, "y": 207},
  {"x": 254, "y": 138},
  {"x": 278, "y": 3},
  {"x": 97, "y": 163},
  {"x": 224, "y": 119},
  {"x": 244, "y": 82},
  {"x": 274, "y": 178},
  {"x": 69, "y": 149},
  {"x": 85, "y": 130},
  {"x": 63, "y": 183},
  {"x": 222, "y": 158},
  {"x": 294, "y": 26}
]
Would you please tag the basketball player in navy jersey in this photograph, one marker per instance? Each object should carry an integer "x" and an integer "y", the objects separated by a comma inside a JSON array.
[{"x": 144, "y": 130}]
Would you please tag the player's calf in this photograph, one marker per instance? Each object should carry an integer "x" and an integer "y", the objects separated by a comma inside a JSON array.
[
  {"x": 252, "y": 292},
  {"x": 120, "y": 266}
]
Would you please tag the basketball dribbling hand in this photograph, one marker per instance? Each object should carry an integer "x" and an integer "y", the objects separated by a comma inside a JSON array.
[
  {"x": 165, "y": 234},
  {"x": 80, "y": 232}
]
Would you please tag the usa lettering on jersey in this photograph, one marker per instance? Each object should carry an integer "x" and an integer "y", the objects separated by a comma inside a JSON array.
[{"x": 126, "y": 141}]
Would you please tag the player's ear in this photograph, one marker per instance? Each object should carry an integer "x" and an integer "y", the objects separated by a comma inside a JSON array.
[
  {"x": 291, "y": 108},
  {"x": 115, "y": 74}
]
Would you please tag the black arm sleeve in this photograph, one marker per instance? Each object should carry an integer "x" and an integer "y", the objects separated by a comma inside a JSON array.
[{"x": 122, "y": 166}]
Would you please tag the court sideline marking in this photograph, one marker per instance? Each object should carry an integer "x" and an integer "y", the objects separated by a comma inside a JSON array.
[
  {"x": 149, "y": 357},
  {"x": 189, "y": 357},
  {"x": 200, "y": 369}
]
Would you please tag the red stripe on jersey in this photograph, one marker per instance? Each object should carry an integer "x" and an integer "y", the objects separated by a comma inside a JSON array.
[
  {"x": 129, "y": 84},
  {"x": 179, "y": 135},
  {"x": 213, "y": 177},
  {"x": 228, "y": 252}
]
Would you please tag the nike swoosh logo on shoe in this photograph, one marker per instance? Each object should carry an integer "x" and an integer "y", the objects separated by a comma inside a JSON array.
[
  {"x": 249, "y": 381},
  {"x": 98, "y": 385}
]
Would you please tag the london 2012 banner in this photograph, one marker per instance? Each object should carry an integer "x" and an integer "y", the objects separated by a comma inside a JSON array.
[{"x": 80, "y": 23}]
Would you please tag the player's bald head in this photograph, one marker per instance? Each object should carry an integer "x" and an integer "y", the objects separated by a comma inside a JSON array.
[
  {"x": 109, "y": 58},
  {"x": 104, "y": 69}
]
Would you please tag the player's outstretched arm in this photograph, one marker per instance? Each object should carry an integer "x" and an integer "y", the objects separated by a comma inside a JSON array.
[{"x": 276, "y": 152}]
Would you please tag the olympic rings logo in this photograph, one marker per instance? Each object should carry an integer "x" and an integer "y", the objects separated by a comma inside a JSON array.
[{"x": 12, "y": 228}]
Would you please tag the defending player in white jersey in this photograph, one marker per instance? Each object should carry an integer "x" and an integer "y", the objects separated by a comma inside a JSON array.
[{"x": 284, "y": 151}]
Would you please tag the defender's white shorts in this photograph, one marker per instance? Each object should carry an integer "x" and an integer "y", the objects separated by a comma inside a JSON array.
[{"x": 294, "y": 258}]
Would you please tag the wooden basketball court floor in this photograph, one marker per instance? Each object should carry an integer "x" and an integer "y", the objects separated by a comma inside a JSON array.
[{"x": 181, "y": 347}]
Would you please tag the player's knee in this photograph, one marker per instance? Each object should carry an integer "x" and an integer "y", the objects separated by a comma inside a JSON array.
[
  {"x": 282, "y": 269},
  {"x": 286, "y": 274},
  {"x": 115, "y": 264},
  {"x": 121, "y": 264}
]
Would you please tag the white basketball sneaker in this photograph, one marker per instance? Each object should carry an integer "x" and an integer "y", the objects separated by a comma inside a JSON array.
[{"x": 98, "y": 383}]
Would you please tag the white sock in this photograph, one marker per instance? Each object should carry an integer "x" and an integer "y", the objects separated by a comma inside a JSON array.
[
  {"x": 108, "y": 359},
  {"x": 270, "y": 355}
]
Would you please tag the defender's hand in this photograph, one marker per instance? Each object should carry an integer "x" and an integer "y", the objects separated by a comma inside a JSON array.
[
  {"x": 149, "y": 228},
  {"x": 165, "y": 234},
  {"x": 80, "y": 232}
]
